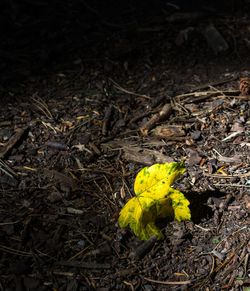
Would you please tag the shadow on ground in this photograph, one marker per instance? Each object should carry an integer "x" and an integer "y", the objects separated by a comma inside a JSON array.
[{"x": 199, "y": 205}]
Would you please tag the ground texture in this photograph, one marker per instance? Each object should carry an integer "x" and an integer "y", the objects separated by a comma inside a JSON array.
[{"x": 72, "y": 141}]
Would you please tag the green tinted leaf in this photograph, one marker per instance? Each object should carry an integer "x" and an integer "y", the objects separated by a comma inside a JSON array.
[
  {"x": 140, "y": 214},
  {"x": 180, "y": 205},
  {"x": 156, "y": 180},
  {"x": 154, "y": 199}
]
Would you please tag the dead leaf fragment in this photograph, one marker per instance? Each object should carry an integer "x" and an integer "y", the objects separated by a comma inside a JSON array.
[
  {"x": 194, "y": 157},
  {"x": 65, "y": 183}
]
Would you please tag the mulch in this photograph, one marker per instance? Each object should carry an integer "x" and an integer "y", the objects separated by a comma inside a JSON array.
[{"x": 72, "y": 141}]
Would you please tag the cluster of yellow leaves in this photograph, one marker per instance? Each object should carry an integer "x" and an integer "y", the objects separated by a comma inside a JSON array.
[{"x": 155, "y": 198}]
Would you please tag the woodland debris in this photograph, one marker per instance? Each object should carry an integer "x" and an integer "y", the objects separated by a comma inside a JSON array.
[
  {"x": 141, "y": 115},
  {"x": 168, "y": 282},
  {"x": 14, "y": 141},
  {"x": 72, "y": 210},
  {"x": 118, "y": 87},
  {"x": 232, "y": 135},
  {"x": 41, "y": 105},
  {"x": 66, "y": 183},
  {"x": 5, "y": 123},
  {"x": 235, "y": 159},
  {"x": 105, "y": 249},
  {"x": 106, "y": 120},
  {"x": 104, "y": 160},
  {"x": 195, "y": 96},
  {"x": 163, "y": 114},
  {"x": 169, "y": 131},
  {"x": 145, "y": 156},
  {"x": 7, "y": 170},
  {"x": 194, "y": 157},
  {"x": 57, "y": 145},
  {"x": 214, "y": 84}
]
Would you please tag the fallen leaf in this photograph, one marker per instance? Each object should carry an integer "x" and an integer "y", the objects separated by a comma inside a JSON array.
[{"x": 155, "y": 198}]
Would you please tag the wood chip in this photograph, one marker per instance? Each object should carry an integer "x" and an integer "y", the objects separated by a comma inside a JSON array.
[
  {"x": 169, "y": 131},
  {"x": 145, "y": 156}
]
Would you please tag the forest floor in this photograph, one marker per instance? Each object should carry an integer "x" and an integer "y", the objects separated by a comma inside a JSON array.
[{"x": 72, "y": 141}]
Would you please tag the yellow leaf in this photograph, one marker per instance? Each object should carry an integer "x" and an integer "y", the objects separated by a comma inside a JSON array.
[
  {"x": 154, "y": 199},
  {"x": 140, "y": 214},
  {"x": 180, "y": 205},
  {"x": 156, "y": 180}
]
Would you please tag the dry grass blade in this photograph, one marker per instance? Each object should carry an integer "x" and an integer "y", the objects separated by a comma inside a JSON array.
[
  {"x": 195, "y": 97},
  {"x": 48, "y": 125},
  {"x": 118, "y": 87},
  {"x": 15, "y": 252},
  {"x": 168, "y": 282},
  {"x": 9, "y": 223},
  {"x": 6, "y": 169},
  {"x": 231, "y": 185},
  {"x": 42, "y": 106}
]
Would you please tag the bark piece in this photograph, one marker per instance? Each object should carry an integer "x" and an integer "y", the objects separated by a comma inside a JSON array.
[
  {"x": 169, "y": 131},
  {"x": 145, "y": 156}
]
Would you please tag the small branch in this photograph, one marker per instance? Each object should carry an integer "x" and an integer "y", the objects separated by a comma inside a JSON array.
[
  {"x": 201, "y": 96},
  {"x": 13, "y": 141},
  {"x": 217, "y": 83},
  {"x": 231, "y": 185},
  {"x": 159, "y": 116}
]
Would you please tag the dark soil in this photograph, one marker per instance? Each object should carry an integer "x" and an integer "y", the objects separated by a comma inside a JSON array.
[{"x": 74, "y": 110}]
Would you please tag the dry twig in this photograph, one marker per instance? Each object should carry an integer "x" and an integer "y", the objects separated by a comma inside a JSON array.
[
  {"x": 118, "y": 87},
  {"x": 160, "y": 116}
]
